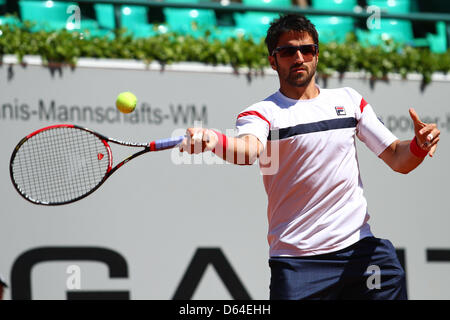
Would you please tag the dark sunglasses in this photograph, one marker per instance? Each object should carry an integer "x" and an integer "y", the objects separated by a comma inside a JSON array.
[{"x": 289, "y": 51}]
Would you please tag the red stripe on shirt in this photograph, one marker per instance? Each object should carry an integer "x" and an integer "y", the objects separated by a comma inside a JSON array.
[
  {"x": 253, "y": 113},
  {"x": 362, "y": 105}
]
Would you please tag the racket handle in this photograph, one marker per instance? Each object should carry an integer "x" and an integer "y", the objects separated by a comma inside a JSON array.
[{"x": 165, "y": 143}]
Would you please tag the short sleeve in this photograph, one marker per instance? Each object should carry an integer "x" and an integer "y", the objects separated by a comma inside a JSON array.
[
  {"x": 370, "y": 129},
  {"x": 254, "y": 121}
]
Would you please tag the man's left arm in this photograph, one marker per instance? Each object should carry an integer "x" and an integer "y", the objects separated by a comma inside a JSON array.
[{"x": 405, "y": 156}]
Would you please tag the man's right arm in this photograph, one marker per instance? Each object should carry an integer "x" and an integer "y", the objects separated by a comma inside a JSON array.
[{"x": 243, "y": 150}]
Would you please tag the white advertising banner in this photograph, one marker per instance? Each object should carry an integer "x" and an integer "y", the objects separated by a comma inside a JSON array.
[{"x": 172, "y": 226}]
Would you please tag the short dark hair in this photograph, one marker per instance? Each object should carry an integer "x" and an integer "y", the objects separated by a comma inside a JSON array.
[{"x": 286, "y": 23}]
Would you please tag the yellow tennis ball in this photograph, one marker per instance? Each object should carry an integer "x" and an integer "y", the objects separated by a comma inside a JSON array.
[{"x": 126, "y": 102}]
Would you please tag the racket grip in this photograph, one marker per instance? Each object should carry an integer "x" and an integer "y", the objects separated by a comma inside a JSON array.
[{"x": 166, "y": 143}]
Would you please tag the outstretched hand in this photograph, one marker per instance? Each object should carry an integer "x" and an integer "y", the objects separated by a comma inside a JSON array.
[
  {"x": 427, "y": 134},
  {"x": 198, "y": 140}
]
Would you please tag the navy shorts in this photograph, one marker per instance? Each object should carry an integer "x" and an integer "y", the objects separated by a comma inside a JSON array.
[{"x": 368, "y": 269}]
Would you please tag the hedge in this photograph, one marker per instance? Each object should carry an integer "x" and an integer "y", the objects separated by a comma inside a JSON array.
[{"x": 66, "y": 47}]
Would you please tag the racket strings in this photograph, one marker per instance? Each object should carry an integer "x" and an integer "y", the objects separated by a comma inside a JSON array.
[
  {"x": 38, "y": 176},
  {"x": 53, "y": 164},
  {"x": 60, "y": 165}
]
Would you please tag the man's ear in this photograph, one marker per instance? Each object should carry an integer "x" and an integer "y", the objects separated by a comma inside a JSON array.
[{"x": 273, "y": 62}]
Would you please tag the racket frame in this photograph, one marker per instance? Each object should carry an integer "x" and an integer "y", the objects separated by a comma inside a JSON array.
[{"x": 148, "y": 147}]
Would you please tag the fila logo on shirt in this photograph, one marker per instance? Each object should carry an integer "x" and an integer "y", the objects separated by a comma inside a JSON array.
[{"x": 340, "y": 111}]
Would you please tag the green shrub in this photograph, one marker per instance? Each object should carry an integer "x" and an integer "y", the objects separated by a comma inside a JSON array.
[{"x": 66, "y": 47}]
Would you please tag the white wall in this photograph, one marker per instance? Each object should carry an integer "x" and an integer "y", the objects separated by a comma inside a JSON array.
[{"x": 153, "y": 211}]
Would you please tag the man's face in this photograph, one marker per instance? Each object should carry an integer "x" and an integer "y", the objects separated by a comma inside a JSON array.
[{"x": 295, "y": 70}]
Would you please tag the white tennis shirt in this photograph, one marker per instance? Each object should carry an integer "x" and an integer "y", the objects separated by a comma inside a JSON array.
[{"x": 315, "y": 198}]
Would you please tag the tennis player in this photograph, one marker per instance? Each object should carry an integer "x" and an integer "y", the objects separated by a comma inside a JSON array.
[{"x": 321, "y": 245}]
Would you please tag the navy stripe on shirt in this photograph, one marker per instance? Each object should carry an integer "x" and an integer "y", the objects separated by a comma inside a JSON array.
[{"x": 303, "y": 128}]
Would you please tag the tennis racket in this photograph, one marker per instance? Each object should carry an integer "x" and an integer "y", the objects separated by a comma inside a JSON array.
[{"x": 64, "y": 163}]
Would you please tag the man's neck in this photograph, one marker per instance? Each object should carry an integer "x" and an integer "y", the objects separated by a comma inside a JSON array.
[{"x": 301, "y": 93}]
